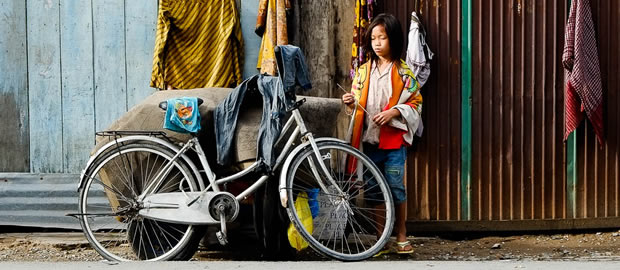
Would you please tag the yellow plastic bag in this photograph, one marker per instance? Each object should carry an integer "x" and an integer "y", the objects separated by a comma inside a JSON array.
[{"x": 304, "y": 214}]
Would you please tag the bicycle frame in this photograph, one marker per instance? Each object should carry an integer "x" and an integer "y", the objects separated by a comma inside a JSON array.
[{"x": 214, "y": 183}]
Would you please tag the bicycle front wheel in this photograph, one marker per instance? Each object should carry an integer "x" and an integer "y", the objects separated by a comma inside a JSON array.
[
  {"x": 109, "y": 205},
  {"x": 353, "y": 215}
]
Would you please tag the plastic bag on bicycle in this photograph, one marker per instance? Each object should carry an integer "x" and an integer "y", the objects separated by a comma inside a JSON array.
[
  {"x": 305, "y": 215},
  {"x": 182, "y": 115}
]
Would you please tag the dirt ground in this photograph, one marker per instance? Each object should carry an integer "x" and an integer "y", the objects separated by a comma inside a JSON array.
[{"x": 71, "y": 246}]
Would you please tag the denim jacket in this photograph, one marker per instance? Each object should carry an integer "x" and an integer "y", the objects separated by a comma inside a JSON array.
[{"x": 278, "y": 94}]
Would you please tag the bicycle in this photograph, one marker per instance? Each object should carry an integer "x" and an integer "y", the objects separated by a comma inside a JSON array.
[{"x": 156, "y": 203}]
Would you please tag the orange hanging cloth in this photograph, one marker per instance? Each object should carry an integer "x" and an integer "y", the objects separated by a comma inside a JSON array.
[{"x": 271, "y": 25}]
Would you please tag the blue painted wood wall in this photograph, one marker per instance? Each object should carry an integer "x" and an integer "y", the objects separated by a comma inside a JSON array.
[{"x": 69, "y": 68}]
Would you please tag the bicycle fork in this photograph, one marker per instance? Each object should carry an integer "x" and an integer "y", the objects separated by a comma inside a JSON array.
[{"x": 307, "y": 137}]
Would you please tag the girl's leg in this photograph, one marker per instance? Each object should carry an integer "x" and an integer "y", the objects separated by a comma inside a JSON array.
[
  {"x": 394, "y": 174},
  {"x": 400, "y": 228}
]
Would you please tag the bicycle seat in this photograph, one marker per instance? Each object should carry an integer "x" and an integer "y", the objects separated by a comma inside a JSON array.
[{"x": 164, "y": 104}]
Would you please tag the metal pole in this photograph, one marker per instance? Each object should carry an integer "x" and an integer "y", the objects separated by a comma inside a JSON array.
[
  {"x": 466, "y": 89},
  {"x": 571, "y": 167}
]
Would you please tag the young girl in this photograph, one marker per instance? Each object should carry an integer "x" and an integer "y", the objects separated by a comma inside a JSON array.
[{"x": 388, "y": 114}]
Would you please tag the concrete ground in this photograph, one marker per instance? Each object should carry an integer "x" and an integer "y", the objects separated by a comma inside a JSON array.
[{"x": 593, "y": 246}]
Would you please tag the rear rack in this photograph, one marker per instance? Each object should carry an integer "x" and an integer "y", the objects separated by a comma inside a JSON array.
[{"x": 114, "y": 135}]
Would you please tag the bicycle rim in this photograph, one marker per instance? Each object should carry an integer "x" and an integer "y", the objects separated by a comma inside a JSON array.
[
  {"x": 352, "y": 225},
  {"x": 109, "y": 205}
]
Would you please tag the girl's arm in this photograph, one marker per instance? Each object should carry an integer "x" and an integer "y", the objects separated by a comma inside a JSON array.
[
  {"x": 384, "y": 117},
  {"x": 356, "y": 89}
]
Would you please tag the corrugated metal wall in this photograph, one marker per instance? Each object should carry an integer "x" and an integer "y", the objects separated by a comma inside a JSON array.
[
  {"x": 39, "y": 200},
  {"x": 599, "y": 166},
  {"x": 517, "y": 111},
  {"x": 433, "y": 170},
  {"x": 518, "y": 155}
]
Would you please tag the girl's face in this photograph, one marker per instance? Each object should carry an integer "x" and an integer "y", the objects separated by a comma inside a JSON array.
[{"x": 380, "y": 42}]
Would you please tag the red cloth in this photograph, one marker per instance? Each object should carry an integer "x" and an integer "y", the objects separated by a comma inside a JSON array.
[{"x": 583, "y": 75}]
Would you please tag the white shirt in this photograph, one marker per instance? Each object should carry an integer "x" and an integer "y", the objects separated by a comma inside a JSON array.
[{"x": 379, "y": 93}]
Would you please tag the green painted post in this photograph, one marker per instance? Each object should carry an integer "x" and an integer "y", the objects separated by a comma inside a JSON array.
[
  {"x": 466, "y": 56},
  {"x": 571, "y": 175},
  {"x": 571, "y": 169}
]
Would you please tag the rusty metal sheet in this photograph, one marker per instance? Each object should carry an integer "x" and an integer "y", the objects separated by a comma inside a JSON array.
[
  {"x": 599, "y": 165},
  {"x": 433, "y": 169},
  {"x": 518, "y": 153}
]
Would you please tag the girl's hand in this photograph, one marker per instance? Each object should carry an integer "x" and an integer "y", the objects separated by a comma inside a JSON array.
[
  {"x": 384, "y": 117},
  {"x": 348, "y": 98}
]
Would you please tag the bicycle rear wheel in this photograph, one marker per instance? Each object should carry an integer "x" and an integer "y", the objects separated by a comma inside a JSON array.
[
  {"x": 354, "y": 217},
  {"x": 109, "y": 206}
]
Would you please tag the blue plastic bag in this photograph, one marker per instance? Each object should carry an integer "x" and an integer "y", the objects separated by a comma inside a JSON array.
[
  {"x": 182, "y": 115},
  {"x": 313, "y": 202}
]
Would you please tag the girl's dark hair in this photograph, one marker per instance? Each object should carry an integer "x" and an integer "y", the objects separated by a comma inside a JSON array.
[{"x": 395, "y": 34}]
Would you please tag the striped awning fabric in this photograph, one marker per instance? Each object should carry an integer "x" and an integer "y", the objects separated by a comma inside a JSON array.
[{"x": 198, "y": 44}]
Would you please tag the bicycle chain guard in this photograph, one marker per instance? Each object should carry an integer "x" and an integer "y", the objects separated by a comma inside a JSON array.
[{"x": 173, "y": 207}]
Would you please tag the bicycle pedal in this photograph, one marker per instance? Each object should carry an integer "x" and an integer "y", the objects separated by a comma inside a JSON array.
[{"x": 221, "y": 237}]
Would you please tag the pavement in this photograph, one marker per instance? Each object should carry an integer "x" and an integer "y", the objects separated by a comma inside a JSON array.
[{"x": 450, "y": 265}]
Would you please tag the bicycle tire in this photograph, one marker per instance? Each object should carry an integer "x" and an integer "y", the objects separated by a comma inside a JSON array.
[
  {"x": 360, "y": 208},
  {"x": 115, "y": 239}
]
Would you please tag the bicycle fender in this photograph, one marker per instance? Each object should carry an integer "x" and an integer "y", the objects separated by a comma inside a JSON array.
[
  {"x": 167, "y": 144},
  {"x": 287, "y": 163}
]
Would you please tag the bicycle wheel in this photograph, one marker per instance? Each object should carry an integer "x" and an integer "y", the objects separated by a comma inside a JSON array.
[
  {"x": 352, "y": 217},
  {"x": 109, "y": 206}
]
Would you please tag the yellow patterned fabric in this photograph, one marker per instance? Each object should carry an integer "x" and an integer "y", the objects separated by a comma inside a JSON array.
[
  {"x": 363, "y": 16},
  {"x": 271, "y": 25},
  {"x": 198, "y": 44}
]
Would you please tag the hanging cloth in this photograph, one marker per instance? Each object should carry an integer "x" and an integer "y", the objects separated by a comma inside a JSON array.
[
  {"x": 419, "y": 54},
  {"x": 363, "y": 16},
  {"x": 198, "y": 44},
  {"x": 584, "y": 89},
  {"x": 271, "y": 25}
]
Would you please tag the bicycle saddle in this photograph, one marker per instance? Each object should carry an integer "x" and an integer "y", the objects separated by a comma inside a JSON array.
[{"x": 164, "y": 104}]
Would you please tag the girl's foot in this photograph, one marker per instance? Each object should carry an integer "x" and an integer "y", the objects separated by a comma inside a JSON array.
[{"x": 404, "y": 247}]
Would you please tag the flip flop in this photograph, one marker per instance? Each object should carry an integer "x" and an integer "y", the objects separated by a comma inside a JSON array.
[
  {"x": 383, "y": 252},
  {"x": 401, "y": 247}
]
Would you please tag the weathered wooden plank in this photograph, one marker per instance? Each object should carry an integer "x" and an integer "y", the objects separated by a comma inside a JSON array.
[
  {"x": 251, "y": 41},
  {"x": 14, "y": 140},
  {"x": 110, "y": 71},
  {"x": 44, "y": 86},
  {"x": 141, "y": 23},
  {"x": 77, "y": 83}
]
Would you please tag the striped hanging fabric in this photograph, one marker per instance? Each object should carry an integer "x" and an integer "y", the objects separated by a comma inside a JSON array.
[{"x": 198, "y": 44}]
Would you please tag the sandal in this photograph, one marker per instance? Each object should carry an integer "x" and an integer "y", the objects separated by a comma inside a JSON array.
[
  {"x": 384, "y": 251},
  {"x": 402, "y": 247}
]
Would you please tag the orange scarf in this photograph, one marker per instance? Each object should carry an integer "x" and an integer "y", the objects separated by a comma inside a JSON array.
[{"x": 405, "y": 90}]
